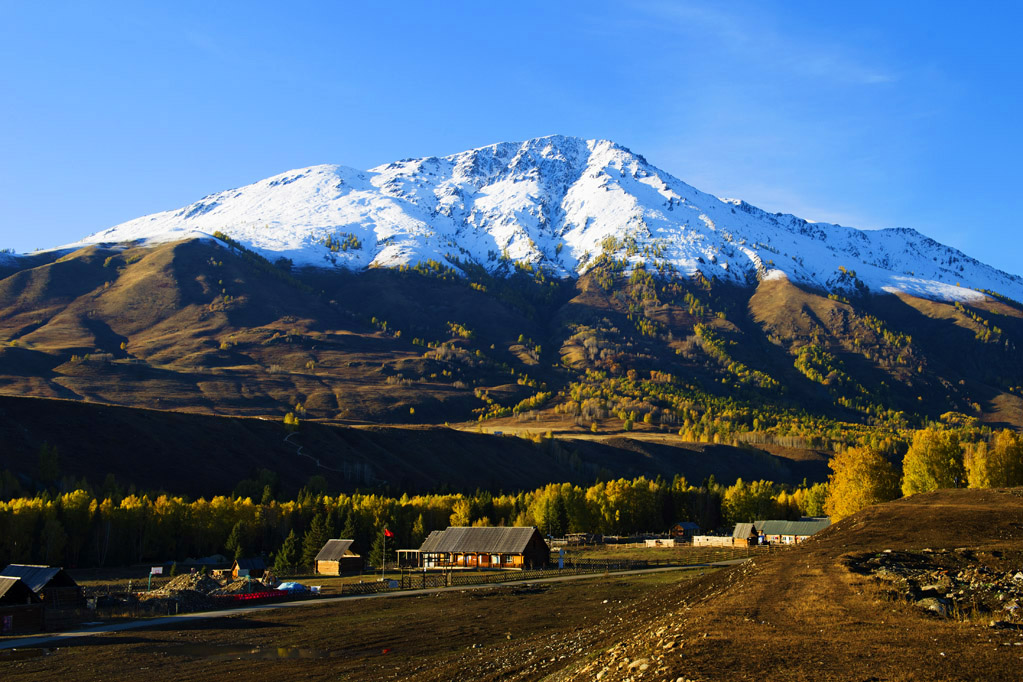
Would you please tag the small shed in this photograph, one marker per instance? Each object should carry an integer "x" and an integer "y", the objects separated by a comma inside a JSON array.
[
  {"x": 744, "y": 535},
  {"x": 337, "y": 557},
  {"x": 479, "y": 547},
  {"x": 254, "y": 566},
  {"x": 21, "y": 610},
  {"x": 51, "y": 584}
]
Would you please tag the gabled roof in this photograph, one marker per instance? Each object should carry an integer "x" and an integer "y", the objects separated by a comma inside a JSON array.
[
  {"x": 802, "y": 528},
  {"x": 483, "y": 540},
  {"x": 252, "y": 564},
  {"x": 39, "y": 577},
  {"x": 16, "y": 591},
  {"x": 688, "y": 525},
  {"x": 334, "y": 550},
  {"x": 743, "y": 530}
]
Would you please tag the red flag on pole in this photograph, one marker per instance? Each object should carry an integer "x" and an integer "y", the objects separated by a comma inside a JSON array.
[{"x": 388, "y": 533}]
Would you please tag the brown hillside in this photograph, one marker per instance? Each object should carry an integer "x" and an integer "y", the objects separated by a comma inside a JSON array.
[{"x": 802, "y": 614}]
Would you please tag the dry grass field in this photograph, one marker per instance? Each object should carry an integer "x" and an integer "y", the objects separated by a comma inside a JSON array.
[{"x": 517, "y": 632}]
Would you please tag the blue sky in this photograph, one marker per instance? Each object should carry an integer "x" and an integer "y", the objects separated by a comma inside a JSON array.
[{"x": 869, "y": 114}]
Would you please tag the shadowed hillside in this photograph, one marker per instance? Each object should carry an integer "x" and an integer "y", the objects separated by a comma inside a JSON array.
[{"x": 205, "y": 455}]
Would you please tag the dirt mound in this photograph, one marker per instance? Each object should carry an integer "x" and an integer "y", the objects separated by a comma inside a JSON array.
[
  {"x": 194, "y": 582},
  {"x": 186, "y": 592}
]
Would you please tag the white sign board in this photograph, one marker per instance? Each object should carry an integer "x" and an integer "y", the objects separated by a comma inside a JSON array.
[
  {"x": 156, "y": 570},
  {"x": 243, "y": 573}
]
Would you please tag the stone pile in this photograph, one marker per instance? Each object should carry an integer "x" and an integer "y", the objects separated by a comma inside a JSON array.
[
  {"x": 958, "y": 583},
  {"x": 192, "y": 581},
  {"x": 186, "y": 592}
]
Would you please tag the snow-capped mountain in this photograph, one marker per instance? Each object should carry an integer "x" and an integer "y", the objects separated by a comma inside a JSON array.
[{"x": 556, "y": 202}]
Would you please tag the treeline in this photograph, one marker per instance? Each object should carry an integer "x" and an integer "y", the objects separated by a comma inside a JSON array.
[
  {"x": 937, "y": 458},
  {"x": 86, "y": 528},
  {"x": 82, "y": 529}
]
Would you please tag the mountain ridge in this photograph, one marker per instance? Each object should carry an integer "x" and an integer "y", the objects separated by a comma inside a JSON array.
[{"x": 557, "y": 203}]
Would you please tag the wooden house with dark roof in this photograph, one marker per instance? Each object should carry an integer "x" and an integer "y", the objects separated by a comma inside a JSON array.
[
  {"x": 52, "y": 584},
  {"x": 337, "y": 557},
  {"x": 479, "y": 547},
  {"x": 21, "y": 609},
  {"x": 253, "y": 567},
  {"x": 685, "y": 530}
]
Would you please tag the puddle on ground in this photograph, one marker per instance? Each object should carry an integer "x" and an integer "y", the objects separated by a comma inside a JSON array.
[
  {"x": 8, "y": 655},
  {"x": 235, "y": 652}
]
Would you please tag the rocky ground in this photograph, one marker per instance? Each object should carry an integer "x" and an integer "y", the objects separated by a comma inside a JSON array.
[{"x": 959, "y": 583}]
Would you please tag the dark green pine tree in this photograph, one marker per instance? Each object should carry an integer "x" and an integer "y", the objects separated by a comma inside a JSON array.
[
  {"x": 314, "y": 540},
  {"x": 560, "y": 525},
  {"x": 237, "y": 542},
  {"x": 328, "y": 525},
  {"x": 349, "y": 529},
  {"x": 376, "y": 553},
  {"x": 286, "y": 558}
]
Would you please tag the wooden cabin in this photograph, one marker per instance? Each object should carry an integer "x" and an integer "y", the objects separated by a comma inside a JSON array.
[
  {"x": 54, "y": 587},
  {"x": 337, "y": 557},
  {"x": 255, "y": 566},
  {"x": 482, "y": 547},
  {"x": 21, "y": 609},
  {"x": 744, "y": 535}
]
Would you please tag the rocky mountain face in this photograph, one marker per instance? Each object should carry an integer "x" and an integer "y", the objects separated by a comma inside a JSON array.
[{"x": 557, "y": 203}]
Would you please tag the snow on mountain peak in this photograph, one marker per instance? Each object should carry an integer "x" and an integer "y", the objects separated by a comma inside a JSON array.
[{"x": 556, "y": 202}]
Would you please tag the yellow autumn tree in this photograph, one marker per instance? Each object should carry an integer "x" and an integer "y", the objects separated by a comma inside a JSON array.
[
  {"x": 860, "y": 477},
  {"x": 934, "y": 461},
  {"x": 460, "y": 514},
  {"x": 998, "y": 464}
]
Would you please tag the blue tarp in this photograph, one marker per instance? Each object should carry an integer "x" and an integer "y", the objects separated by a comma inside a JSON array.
[{"x": 292, "y": 587}]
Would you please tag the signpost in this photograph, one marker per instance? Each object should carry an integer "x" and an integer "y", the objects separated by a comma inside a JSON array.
[{"x": 155, "y": 570}]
